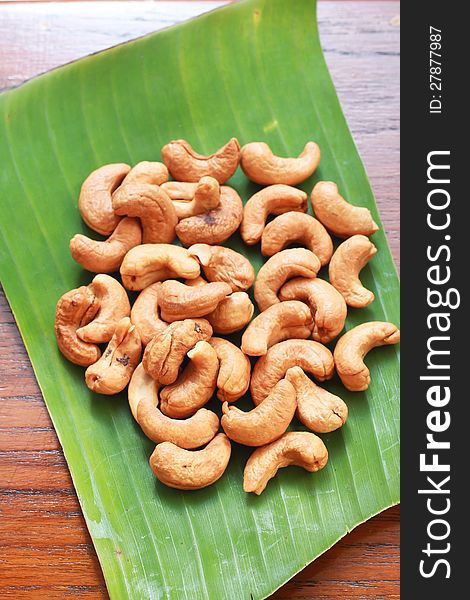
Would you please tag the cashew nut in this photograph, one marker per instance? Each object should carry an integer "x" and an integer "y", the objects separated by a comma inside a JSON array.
[
  {"x": 224, "y": 264},
  {"x": 95, "y": 203},
  {"x": 232, "y": 313},
  {"x": 185, "y": 164},
  {"x": 189, "y": 433},
  {"x": 338, "y": 216},
  {"x": 312, "y": 356},
  {"x": 233, "y": 379},
  {"x": 112, "y": 372},
  {"x": 206, "y": 197},
  {"x": 74, "y": 309},
  {"x": 148, "y": 263},
  {"x": 216, "y": 225},
  {"x": 154, "y": 173},
  {"x": 178, "y": 301},
  {"x": 278, "y": 269},
  {"x": 145, "y": 314},
  {"x": 180, "y": 190},
  {"x": 299, "y": 448},
  {"x": 275, "y": 199},
  {"x": 317, "y": 409},
  {"x": 346, "y": 263},
  {"x": 113, "y": 306},
  {"x": 327, "y": 305},
  {"x": 282, "y": 321},
  {"x": 266, "y": 422},
  {"x": 153, "y": 207},
  {"x": 191, "y": 470},
  {"x": 354, "y": 345},
  {"x": 107, "y": 256},
  {"x": 297, "y": 227},
  {"x": 166, "y": 350}
]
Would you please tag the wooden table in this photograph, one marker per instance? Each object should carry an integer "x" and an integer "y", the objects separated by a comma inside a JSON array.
[{"x": 45, "y": 549}]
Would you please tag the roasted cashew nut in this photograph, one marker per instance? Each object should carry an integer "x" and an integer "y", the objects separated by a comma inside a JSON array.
[
  {"x": 299, "y": 448},
  {"x": 95, "y": 203},
  {"x": 346, "y": 263},
  {"x": 180, "y": 190},
  {"x": 206, "y": 197},
  {"x": 191, "y": 470},
  {"x": 145, "y": 314},
  {"x": 112, "y": 372},
  {"x": 266, "y": 422},
  {"x": 282, "y": 321},
  {"x": 231, "y": 314},
  {"x": 278, "y": 269},
  {"x": 313, "y": 357},
  {"x": 262, "y": 166},
  {"x": 107, "y": 256},
  {"x": 297, "y": 227},
  {"x": 338, "y": 216},
  {"x": 154, "y": 173},
  {"x": 224, "y": 264},
  {"x": 178, "y": 301},
  {"x": 185, "y": 164},
  {"x": 353, "y": 346},
  {"x": 327, "y": 305},
  {"x": 275, "y": 199},
  {"x": 188, "y": 433},
  {"x": 233, "y": 379},
  {"x": 317, "y": 409}
]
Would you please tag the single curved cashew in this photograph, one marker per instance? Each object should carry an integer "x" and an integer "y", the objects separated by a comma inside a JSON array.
[
  {"x": 232, "y": 313},
  {"x": 191, "y": 470},
  {"x": 282, "y": 321},
  {"x": 107, "y": 256},
  {"x": 354, "y": 345},
  {"x": 272, "y": 367},
  {"x": 178, "y": 301},
  {"x": 327, "y": 305},
  {"x": 266, "y": 422},
  {"x": 297, "y": 227},
  {"x": 154, "y": 173},
  {"x": 216, "y": 225},
  {"x": 206, "y": 197},
  {"x": 224, "y": 264},
  {"x": 275, "y": 199},
  {"x": 113, "y": 306},
  {"x": 338, "y": 216},
  {"x": 112, "y": 372},
  {"x": 74, "y": 309},
  {"x": 95, "y": 203},
  {"x": 148, "y": 263},
  {"x": 299, "y": 448},
  {"x": 153, "y": 207},
  {"x": 233, "y": 379},
  {"x": 189, "y": 433},
  {"x": 166, "y": 350},
  {"x": 185, "y": 164},
  {"x": 145, "y": 314},
  {"x": 262, "y": 166},
  {"x": 278, "y": 269},
  {"x": 346, "y": 263},
  {"x": 317, "y": 409}
]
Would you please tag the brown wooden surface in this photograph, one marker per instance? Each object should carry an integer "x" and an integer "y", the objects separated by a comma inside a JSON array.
[{"x": 45, "y": 549}]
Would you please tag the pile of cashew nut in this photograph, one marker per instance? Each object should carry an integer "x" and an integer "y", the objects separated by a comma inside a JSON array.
[{"x": 168, "y": 347}]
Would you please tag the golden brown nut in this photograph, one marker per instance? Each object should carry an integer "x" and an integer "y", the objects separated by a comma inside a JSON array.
[
  {"x": 191, "y": 470},
  {"x": 313, "y": 357},
  {"x": 297, "y": 227},
  {"x": 145, "y": 314},
  {"x": 107, "y": 256},
  {"x": 224, "y": 264},
  {"x": 154, "y": 173},
  {"x": 166, "y": 350},
  {"x": 180, "y": 190},
  {"x": 232, "y": 313},
  {"x": 350, "y": 257},
  {"x": 95, "y": 203},
  {"x": 262, "y": 166},
  {"x": 275, "y": 199},
  {"x": 326, "y": 304},
  {"x": 216, "y": 225},
  {"x": 278, "y": 269},
  {"x": 185, "y": 164},
  {"x": 233, "y": 379},
  {"x": 317, "y": 409},
  {"x": 178, "y": 301},
  {"x": 153, "y": 207},
  {"x": 149, "y": 263},
  {"x": 338, "y": 216},
  {"x": 112, "y": 372},
  {"x": 206, "y": 197},
  {"x": 300, "y": 448},
  {"x": 354, "y": 345}
]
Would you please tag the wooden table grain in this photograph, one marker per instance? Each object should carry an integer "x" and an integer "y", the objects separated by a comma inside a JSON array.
[{"x": 45, "y": 549}]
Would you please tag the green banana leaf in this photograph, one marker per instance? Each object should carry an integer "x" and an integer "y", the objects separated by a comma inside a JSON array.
[{"x": 255, "y": 70}]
